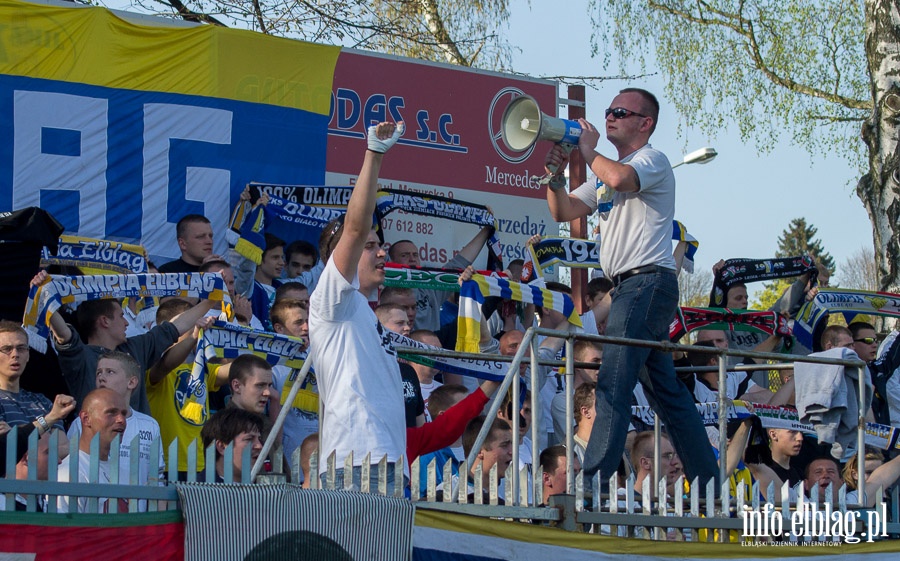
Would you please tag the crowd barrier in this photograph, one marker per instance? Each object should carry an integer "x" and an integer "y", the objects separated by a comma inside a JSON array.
[{"x": 692, "y": 516}]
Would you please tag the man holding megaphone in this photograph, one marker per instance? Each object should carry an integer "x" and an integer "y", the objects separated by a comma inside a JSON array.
[{"x": 635, "y": 198}]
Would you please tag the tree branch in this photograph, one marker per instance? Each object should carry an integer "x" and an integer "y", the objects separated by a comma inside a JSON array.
[
  {"x": 745, "y": 28},
  {"x": 257, "y": 11},
  {"x": 189, "y": 15},
  {"x": 589, "y": 81},
  {"x": 837, "y": 118}
]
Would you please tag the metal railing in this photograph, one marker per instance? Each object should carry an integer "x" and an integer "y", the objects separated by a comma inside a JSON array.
[{"x": 622, "y": 511}]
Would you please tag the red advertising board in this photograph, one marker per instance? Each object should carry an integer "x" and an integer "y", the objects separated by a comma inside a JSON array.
[
  {"x": 452, "y": 146},
  {"x": 35, "y": 536}
]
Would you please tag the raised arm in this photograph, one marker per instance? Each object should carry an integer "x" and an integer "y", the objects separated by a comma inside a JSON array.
[
  {"x": 471, "y": 250},
  {"x": 620, "y": 177},
  {"x": 186, "y": 320},
  {"x": 58, "y": 326},
  {"x": 177, "y": 353},
  {"x": 884, "y": 476},
  {"x": 358, "y": 220}
]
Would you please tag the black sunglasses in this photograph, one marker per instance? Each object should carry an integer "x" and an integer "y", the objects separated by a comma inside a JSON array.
[
  {"x": 621, "y": 113},
  {"x": 866, "y": 340}
]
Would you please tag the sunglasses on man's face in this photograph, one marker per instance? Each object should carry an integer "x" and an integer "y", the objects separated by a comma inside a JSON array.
[
  {"x": 621, "y": 113},
  {"x": 866, "y": 340}
]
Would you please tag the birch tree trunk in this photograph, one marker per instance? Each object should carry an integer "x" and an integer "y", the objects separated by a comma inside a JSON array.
[{"x": 879, "y": 189}]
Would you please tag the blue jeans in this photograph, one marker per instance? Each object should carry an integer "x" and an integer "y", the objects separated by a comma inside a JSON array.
[
  {"x": 357, "y": 479},
  {"x": 642, "y": 308}
]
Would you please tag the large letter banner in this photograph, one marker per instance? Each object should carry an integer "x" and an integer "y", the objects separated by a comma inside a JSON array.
[{"x": 120, "y": 129}]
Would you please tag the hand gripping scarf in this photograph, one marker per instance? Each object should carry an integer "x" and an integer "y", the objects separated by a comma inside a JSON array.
[
  {"x": 252, "y": 242},
  {"x": 752, "y": 270},
  {"x": 57, "y": 291},
  {"x": 389, "y": 200},
  {"x": 472, "y": 295}
]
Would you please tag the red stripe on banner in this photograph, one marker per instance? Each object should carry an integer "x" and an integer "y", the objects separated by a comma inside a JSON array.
[{"x": 160, "y": 542}]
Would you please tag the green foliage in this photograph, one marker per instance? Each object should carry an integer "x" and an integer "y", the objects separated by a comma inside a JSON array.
[
  {"x": 693, "y": 288},
  {"x": 770, "y": 294},
  {"x": 768, "y": 67},
  {"x": 799, "y": 239}
]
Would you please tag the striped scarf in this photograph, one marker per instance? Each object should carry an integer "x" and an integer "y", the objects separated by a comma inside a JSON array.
[
  {"x": 691, "y": 319},
  {"x": 569, "y": 252},
  {"x": 97, "y": 257},
  {"x": 389, "y": 200},
  {"x": 680, "y": 234},
  {"x": 737, "y": 271},
  {"x": 883, "y": 437},
  {"x": 101, "y": 257},
  {"x": 578, "y": 253},
  {"x": 847, "y": 302},
  {"x": 252, "y": 243},
  {"x": 475, "y": 368},
  {"x": 226, "y": 341},
  {"x": 58, "y": 290},
  {"x": 427, "y": 278},
  {"x": 472, "y": 295}
]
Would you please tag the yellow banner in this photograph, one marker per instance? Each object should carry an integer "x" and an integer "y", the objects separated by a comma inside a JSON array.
[{"x": 93, "y": 46}]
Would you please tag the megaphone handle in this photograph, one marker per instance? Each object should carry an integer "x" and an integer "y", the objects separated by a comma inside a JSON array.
[
  {"x": 552, "y": 179},
  {"x": 565, "y": 146}
]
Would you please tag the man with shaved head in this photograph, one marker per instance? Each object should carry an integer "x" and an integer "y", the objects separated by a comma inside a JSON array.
[{"x": 103, "y": 414}]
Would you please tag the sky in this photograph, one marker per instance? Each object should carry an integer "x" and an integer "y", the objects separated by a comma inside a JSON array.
[{"x": 736, "y": 205}]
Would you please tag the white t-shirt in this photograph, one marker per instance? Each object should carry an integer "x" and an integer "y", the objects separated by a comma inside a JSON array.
[
  {"x": 298, "y": 424},
  {"x": 637, "y": 231},
  {"x": 84, "y": 464},
  {"x": 146, "y": 429},
  {"x": 732, "y": 382},
  {"x": 139, "y": 323},
  {"x": 362, "y": 407}
]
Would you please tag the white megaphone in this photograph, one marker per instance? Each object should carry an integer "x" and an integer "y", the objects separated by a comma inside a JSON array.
[{"x": 523, "y": 125}]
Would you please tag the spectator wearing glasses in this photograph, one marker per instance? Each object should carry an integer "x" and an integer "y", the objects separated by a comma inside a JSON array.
[
  {"x": 865, "y": 341},
  {"x": 635, "y": 197},
  {"x": 643, "y": 462},
  {"x": 18, "y": 406}
]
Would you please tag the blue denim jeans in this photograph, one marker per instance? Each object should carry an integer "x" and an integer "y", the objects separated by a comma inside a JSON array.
[
  {"x": 642, "y": 308},
  {"x": 357, "y": 479}
]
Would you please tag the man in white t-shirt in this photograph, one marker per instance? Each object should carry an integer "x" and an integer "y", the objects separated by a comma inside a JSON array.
[
  {"x": 102, "y": 413},
  {"x": 635, "y": 199},
  {"x": 358, "y": 375},
  {"x": 120, "y": 373}
]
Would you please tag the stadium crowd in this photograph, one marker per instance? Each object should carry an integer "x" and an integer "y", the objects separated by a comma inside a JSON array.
[{"x": 128, "y": 368}]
